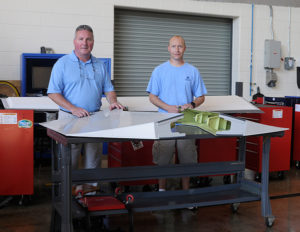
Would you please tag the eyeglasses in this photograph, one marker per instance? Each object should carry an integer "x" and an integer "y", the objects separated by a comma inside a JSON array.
[{"x": 84, "y": 73}]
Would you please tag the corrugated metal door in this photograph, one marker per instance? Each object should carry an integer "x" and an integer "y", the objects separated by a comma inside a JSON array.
[{"x": 140, "y": 44}]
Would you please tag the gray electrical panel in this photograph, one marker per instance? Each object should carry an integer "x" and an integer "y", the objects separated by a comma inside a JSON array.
[
  {"x": 289, "y": 63},
  {"x": 272, "y": 54}
]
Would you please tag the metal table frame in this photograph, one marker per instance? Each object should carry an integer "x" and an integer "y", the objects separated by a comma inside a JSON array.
[{"x": 63, "y": 210}]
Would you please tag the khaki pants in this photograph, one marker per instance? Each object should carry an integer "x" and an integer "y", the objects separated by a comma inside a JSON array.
[
  {"x": 164, "y": 150},
  {"x": 91, "y": 152}
]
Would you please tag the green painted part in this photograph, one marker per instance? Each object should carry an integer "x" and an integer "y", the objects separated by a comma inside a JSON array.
[{"x": 208, "y": 121}]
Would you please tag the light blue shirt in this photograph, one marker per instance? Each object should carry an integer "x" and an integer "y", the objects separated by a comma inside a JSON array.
[
  {"x": 176, "y": 85},
  {"x": 82, "y": 84}
]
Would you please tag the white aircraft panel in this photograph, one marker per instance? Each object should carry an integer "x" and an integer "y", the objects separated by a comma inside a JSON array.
[
  {"x": 30, "y": 103},
  {"x": 248, "y": 128},
  {"x": 224, "y": 104},
  {"x": 227, "y": 104},
  {"x": 118, "y": 124},
  {"x": 143, "y": 125}
]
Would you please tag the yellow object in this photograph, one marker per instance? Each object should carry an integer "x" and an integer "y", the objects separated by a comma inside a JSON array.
[
  {"x": 208, "y": 121},
  {"x": 3, "y": 88}
]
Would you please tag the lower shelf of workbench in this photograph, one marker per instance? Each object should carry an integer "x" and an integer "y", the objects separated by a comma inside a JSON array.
[
  {"x": 198, "y": 197},
  {"x": 225, "y": 194}
]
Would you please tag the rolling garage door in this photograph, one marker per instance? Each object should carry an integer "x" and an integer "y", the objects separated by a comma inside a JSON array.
[{"x": 141, "y": 40}]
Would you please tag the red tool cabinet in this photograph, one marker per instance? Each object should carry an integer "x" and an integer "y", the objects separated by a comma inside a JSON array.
[
  {"x": 123, "y": 154},
  {"x": 217, "y": 150},
  {"x": 224, "y": 149},
  {"x": 280, "y": 150},
  {"x": 16, "y": 152}
]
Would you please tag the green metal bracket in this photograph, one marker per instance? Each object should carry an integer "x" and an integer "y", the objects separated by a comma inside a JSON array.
[{"x": 208, "y": 121}]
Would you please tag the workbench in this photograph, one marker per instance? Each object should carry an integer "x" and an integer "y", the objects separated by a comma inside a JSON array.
[{"x": 242, "y": 190}]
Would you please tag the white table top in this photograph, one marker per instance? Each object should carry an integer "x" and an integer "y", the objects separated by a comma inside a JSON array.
[{"x": 223, "y": 104}]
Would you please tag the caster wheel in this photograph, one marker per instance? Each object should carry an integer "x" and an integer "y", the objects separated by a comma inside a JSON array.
[
  {"x": 235, "y": 207},
  {"x": 227, "y": 179},
  {"x": 298, "y": 164},
  {"x": 118, "y": 191},
  {"x": 129, "y": 199},
  {"x": 269, "y": 221}
]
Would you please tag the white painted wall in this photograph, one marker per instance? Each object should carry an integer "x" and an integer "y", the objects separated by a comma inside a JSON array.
[{"x": 29, "y": 24}]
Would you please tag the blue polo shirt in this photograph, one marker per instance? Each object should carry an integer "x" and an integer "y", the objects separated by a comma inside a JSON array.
[
  {"x": 176, "y": 85},
  {"x": 82, "y": 84}
]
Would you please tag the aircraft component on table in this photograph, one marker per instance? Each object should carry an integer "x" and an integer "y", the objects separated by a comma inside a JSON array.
[{"x": 208, "y": 121}]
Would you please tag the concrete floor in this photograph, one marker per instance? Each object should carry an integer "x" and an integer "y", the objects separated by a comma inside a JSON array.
[{"x": 35, "y": 213}]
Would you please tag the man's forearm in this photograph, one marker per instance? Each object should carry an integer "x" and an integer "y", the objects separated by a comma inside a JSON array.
[
  {"x": 199, "y": 100},
  {"x": 61, "y": 101},
  {"x": 157, "y": 102},
  {"x": 111, "y": 97},
  {"x": 162, "y": 105}
]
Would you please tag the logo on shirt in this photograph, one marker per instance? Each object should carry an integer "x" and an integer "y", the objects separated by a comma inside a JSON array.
[{"x": 187, "y": 78}]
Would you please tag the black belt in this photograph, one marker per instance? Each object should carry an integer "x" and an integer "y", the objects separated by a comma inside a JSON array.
[
  {"x": 65, "y": 111},
  {"x": 71, "y": 113}
]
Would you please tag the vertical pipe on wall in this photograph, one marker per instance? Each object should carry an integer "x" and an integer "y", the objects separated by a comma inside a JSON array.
[
  {"x": 289, "y": 39},
  {"x": 271, "y": 22},
  {"x": 251, "y": 60}
]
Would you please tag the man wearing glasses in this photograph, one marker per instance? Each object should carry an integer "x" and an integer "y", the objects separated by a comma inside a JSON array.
[{"x": 77, "y": 83}]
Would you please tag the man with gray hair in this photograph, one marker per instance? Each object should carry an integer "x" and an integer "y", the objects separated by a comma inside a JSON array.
[{"x": 77, "y": 83}]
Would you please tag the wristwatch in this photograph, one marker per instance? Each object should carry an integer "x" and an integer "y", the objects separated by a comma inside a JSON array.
[{"x": 193, "y": 104}]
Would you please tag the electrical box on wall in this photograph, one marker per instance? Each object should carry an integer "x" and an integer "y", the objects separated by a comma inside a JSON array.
[
  {"x": 289, "y": 63},
  {"x": 272, "y": 54}
]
